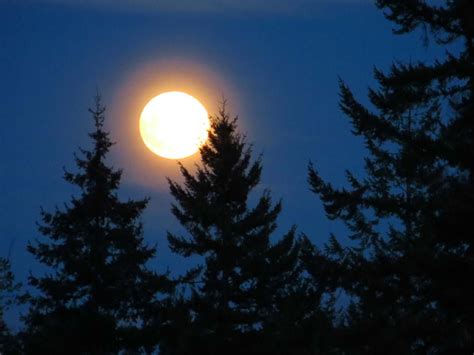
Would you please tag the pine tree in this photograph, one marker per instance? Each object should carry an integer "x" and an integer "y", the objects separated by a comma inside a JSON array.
[
  {"x": 98, "y": 292},
  {"x": 409, "y": 272},
  {"x": 242, "y": 298},
  {"x": 8, "y": 296}
]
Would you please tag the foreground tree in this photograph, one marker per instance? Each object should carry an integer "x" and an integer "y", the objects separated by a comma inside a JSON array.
[
  {"x": 247, "y": 296},
  {"x": 409, "y": 273},
  {"x": 96, "y": 297}
]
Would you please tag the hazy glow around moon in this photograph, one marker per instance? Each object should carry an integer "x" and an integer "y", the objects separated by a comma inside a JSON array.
[{"x": 174, "y": 125}]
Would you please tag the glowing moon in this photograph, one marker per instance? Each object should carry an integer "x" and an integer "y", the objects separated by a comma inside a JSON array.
[{"x": 174, "y": 125}]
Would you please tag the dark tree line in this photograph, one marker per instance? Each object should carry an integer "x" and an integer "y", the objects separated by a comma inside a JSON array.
[{"x": 406, "y": 278}]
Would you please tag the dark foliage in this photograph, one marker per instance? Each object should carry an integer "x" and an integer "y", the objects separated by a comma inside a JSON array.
[
  {"x": 98, "y": 291},
  {"x": 247, "y": 296},
  {"x": 9, "y": 295},
  {"x": 409, "y": 272}
]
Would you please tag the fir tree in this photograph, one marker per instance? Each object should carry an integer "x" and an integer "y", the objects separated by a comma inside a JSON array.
[
  {"x": 98, "y": 292},
  {"x": 408, "y": 274},
  {"x": 243, "y": 297},
  {"x": 8, "y": 296}
]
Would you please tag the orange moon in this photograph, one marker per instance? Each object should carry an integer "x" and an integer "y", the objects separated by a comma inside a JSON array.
[{"x": 174, "y": 125}]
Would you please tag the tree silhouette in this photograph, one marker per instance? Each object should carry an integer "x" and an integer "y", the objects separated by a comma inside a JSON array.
[
  {"x": 408, "y": 274},
  {"x": 96, "y": 297},
  {"x": 247, "y": 295},
  {"x": 8, "y": 297}
]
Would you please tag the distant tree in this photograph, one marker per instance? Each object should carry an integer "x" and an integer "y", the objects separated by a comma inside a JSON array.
[
  {"x": 8, "y": 296},
  {"x": 247, "y": 296},
  {"x": 409, "y": 273},
  {"x": 98, "y": 293}
]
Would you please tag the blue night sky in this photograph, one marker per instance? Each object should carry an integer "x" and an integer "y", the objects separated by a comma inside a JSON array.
[{"x": 277, "y": 66}]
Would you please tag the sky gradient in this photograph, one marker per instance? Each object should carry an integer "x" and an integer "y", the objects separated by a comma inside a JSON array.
[
  {"x": 277, "y": 67},
  {"x": 283, "y": 7}
]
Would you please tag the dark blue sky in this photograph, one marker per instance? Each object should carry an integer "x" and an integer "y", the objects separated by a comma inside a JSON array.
[{"x": 279, "y": 70}]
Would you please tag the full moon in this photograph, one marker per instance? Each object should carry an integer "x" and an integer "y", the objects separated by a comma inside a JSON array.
[{"x": 174, "y": 125}]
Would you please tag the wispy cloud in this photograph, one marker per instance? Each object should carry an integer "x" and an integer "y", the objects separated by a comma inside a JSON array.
[{"x": 204, "y": 6}]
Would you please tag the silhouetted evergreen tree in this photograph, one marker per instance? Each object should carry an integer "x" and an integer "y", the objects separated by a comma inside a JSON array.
[
  {"x": 409, "y": 274},
  {"x": 8, "y": 297},
  {"x": 98, "y": 294},
  {"x": 247, "y": 296}
]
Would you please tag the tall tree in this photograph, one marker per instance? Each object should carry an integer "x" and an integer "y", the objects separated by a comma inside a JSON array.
[
  {"x": 98, "y": 292},
  {"x": 409, "y": 272},
  {"x": 247, "y": 295}
]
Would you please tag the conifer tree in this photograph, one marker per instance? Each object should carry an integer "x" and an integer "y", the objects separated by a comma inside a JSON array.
[
  {"x": 97, "y": 292},
  {"x": 247, "y": 296},
  {"x": 409, "y": 273},
  {"x": 8, "y": 297}
]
